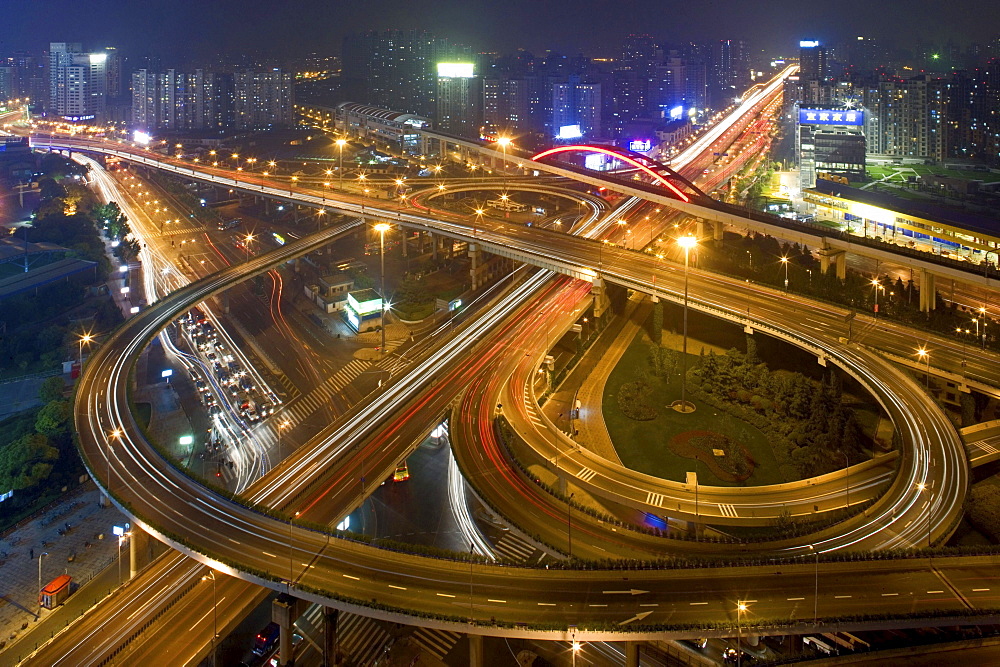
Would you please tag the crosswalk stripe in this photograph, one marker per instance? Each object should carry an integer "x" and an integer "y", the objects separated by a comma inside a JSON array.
[
  {"x": 438, "y": 642},
  {"x": 654, "y": 499},
  {"x": 728, "y": 510},
  {"x": 586, "y": 474},
  {"x": 362, "y": 638},
  {"x": 514, "y": 548}
]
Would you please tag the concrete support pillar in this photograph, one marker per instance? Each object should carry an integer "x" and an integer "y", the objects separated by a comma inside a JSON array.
[
  {"x": 474, "y": 265},
  {"x": 561, "y": 485},
  {"x": 330, "y": 618},
  {"x": 601, "y": 302},
  {"x": 717, "y": 229},
  {"x": 139, "y": 551},
  {"x": 631, "y": 654},
  {"x": 406, "y": 242},
  {"x": 283, "y": 613},
  {"x": 434, "y": 245},
  {"x": 476, "y": 651},
  {"x": 839, "y": 257},
  {"x": 928, "y": 291},
  {"x": 702, "y": 228}
]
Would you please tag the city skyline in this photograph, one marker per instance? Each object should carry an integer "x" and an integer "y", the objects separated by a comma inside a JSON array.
[{"x": 187, "y": 28}]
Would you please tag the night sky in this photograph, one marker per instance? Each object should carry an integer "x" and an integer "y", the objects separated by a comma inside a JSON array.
[{"x": 594, "y": 27}]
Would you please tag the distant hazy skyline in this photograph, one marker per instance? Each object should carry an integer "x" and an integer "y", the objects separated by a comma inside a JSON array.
[{"x": 594, "y": 27}]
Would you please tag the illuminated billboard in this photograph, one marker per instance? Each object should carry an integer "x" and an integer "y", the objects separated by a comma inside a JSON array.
[
  {"x": 455, "y": 70},
  {"x": 569, "y": 132},
  {"x": 640, "y": 145},
  {"x": 595, "y": 161},
  {"x": 808, "y": 44},
  {"x": 831, "y": 117},
  {"x": 364, "y": 302}
]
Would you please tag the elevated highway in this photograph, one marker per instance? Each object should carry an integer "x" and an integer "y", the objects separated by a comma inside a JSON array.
[
  {"x": 405, "y": 219},
  {"x": 247, "y": 544}
]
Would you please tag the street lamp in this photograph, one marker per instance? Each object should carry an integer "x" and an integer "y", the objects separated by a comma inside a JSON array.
[
  {"x": 40, "y": 556},
  {"x": 117, "y": 434},
  {"x": 740, "y": 608},
  {"x": 85, "y": 338},
  {"x": 816, "y": 589},
  {"x": 503, "y": 142},
  {"x": 569, "y": 522},
  {"x": 340, "y": 145},
  {"x": 784, "y": 260},
  {"x": 876, "y": 284},
  {"x": 478, "y": 221},
  {"x": 925, "y": 356},
  {"x": 247, "y": 240},
  {"x": 215, "y": 615},
  {"x": 382, "y": 228},
  {"x": 281, "y": 427},
  {"x": 982, "y": 312},
  {"x": 686, "y": 242}
]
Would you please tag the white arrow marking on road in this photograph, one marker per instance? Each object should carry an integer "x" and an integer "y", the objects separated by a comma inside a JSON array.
[
  {"x": 633, "y": 591},
  {"x": 637, "y": 617}
]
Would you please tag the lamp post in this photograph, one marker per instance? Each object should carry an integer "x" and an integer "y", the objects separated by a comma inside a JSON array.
[
  {"x": 503, "y": 142},
  {"x": 847, "y": 478},
  {"x": 247, "y": 240},
  {"x": 784, "y": 260},
  {"x": 107, "y": 454},
  {"x": 85, "y": 338},
  {"x": 740, "y": 608},
  {"x": 478, "y": 221},
  {"x": 569, "y": 523},
  {"x": 876, "y": 285},
  {"x": 925, "y": 356},
  {"x": 40, "y": 556},
  {"x": 982, "y": 313},
  {"x": 340, "y": 146},
  {"x": 281, "y": 427},
  {"x": 215, "y": 615},
  {"x": 382, "y": 228},
  {"x": 686, "y": 242},
  {"x": 815, "y": 553}
]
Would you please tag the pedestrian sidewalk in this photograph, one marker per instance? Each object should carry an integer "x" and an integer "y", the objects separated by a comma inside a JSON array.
[
  {"x": 587, "y": 383},
  {"x": 80, "y": 552}
]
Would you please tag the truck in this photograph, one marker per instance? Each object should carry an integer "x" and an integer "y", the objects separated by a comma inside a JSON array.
[{"x": 56, "y": 592}]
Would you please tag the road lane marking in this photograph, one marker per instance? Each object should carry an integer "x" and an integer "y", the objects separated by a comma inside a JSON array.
[
  {"x": 546, "y": 604},
  {"x": 979, "y": 590},
  {"x": 933, "y": 592},
  {"x": 198, "y": 622},
  {"x": 500, "y": 601},
  {"x": 889, "y": 595},
  {"x": 694, "y": 603},
  {"x": 598, "y": 605},
  {"x": 650, "y": 604},
  {"x": 398, "y": 588},
  {"x": 841, "y": 597},
  {"x": 267, "y": 554},
  {"x": 444, "y": 595},
  {"x": 348, "y": 576},
  {"x": 790, "y": 599}
]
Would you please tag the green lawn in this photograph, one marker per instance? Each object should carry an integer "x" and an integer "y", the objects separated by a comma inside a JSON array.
[
  {"x": 642, "y": 445},
  {"x": 876, "y": 173}
]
